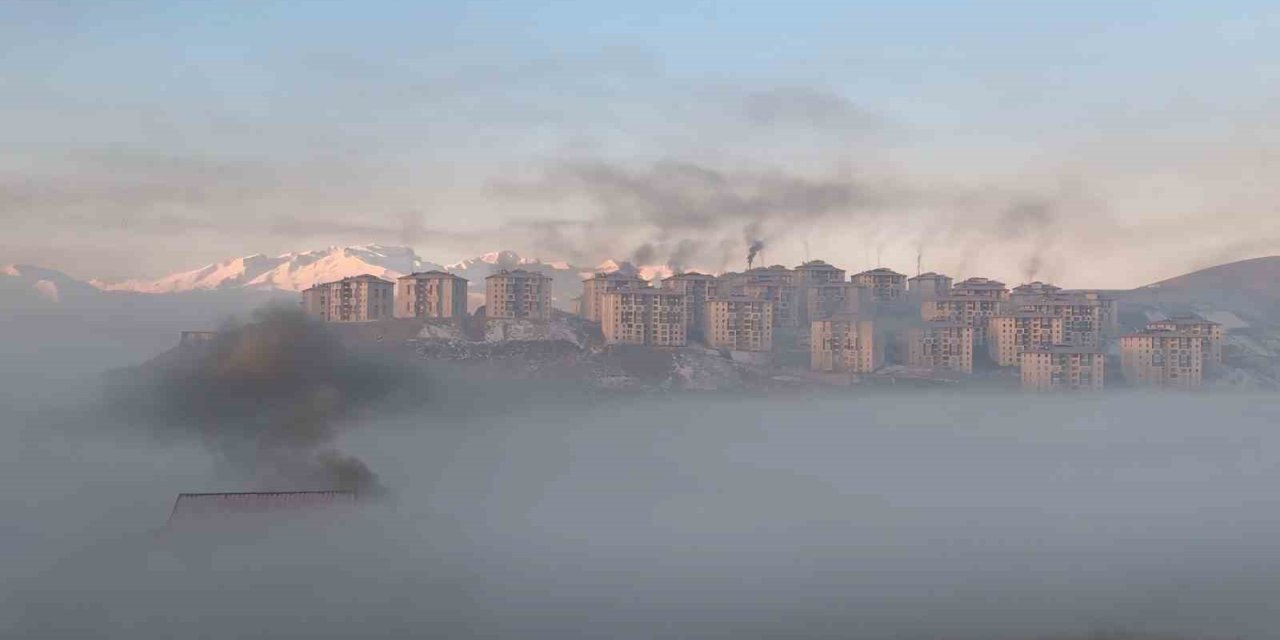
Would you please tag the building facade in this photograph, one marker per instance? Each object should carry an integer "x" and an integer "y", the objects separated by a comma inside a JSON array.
[
  {"x": 785, "y": 299},
  {"x": 886, "y": 284},
  {"x": 836, "y": 299},
  {"x": 697, "y": 288},
  {"x": 1061, "y": 368},
  {"x": 652, "y": 317},
  {"x": 845, "y": 344},
  {"x": 942, "y": 346},
  {"x": 739, "y": 323},
  {"x": 975, "y": 311},
  {"x": 517, "y": 293},
  {"x": 1009, "y": 335},
  {"x": 431, "y": 294},
  {"x": 1158, "y": 358},
  {"x": 362, "y": 298},
  {"x": 1196, "y": 325},
  {"x": 1081, "y": 316},
  {"x": 595, "y": 288},
  {"x": 928, "y": 286}
]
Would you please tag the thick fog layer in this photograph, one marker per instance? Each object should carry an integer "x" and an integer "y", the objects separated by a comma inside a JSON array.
[{"x": 537, "y": 515}]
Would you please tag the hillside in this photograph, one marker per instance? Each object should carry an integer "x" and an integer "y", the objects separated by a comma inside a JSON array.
[{"x": 1249, "y": 288}]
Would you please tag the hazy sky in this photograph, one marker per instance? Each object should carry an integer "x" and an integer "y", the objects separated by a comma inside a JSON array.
[{"x": 1092, "y": 143}]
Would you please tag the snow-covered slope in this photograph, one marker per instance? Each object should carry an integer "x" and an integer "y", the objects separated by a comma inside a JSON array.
[
  {"x": 42, "y": 284},
  {"x": 286, "y": 272}
]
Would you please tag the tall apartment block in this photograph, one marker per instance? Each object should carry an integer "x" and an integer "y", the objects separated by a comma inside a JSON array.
[
  {"x": 845, "y": 344},
  {"x": 981, "y": 288},
  {"x": 652, "y": 317},
  {"x": 928, "y": 286},
  {"x": 431, "y": 294},
  {"x": 836, "y": 299},
  {"x": 942, "y": 346},
  {"x": 1081, "y": 316},
  {"x": 815, "y": 272},
  {"x": 359, "y": 298},
  {"x": 595, "y": 288},
  {"x": 1198, "y": 326},
  {"x": 739, "y": 323},
  {"x": 975, "y": 311},
  {"x": 1062, "y": 368},
  {"x": 1010, "y": 335},
  {"x": 517, "y": 293},
  {"x": 785, "y": 298},
  {"x": 697, "y": 287},
  {"x": 886, "y": 284},
  {"x": 1164, "y": 359}
]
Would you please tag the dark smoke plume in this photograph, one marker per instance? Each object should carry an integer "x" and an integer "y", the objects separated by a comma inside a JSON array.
[
  {"x": 753, "y": 249},
  {"x": 269, "y": 397}
]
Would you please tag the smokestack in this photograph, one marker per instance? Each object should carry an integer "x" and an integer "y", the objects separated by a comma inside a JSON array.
[{"x": 756, "y": 247}]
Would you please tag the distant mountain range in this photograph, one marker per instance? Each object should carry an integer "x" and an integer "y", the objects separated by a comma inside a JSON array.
[{"x": 292, "y": 272}]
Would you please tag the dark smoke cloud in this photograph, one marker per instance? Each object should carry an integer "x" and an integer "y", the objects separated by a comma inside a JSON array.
[
  {"x": 685, "y": 206},
  {"x": 269, "y": 397},
  {"x": 1035, "y": 223}
]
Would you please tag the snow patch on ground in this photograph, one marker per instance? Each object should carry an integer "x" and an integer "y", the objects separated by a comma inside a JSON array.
[{"x": 519, "y": 330}]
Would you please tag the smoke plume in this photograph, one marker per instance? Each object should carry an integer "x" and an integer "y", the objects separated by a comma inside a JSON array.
[
  {"x": 269, "y": 397},
  {"x": 753, "y": 250}
]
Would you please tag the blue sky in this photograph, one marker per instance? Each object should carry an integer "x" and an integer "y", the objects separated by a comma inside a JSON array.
[{"x": 272, "y": 114}]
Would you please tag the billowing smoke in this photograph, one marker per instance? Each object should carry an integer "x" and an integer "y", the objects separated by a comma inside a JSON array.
[
  {"x": 684, "y": 252},
  {"x": 269, "y": 397},
  {"x": 753, "y": 250}
]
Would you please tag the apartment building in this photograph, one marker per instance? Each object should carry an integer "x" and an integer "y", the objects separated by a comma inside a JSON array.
[
  {"x": 1196, "y": 325},
  {"x": 1108, "y": 312},
  {"x": 1032, "y": 291},
  {"x": 653, "y": 317},
  {"x": 1062, "y": 368},
  {"x": 517, "y": 293},
  {"x": 942, "y": 346},
  {"x": 697, "y": 287},
  {"x": 816, "y": 272},
  {"x": 975, "y": 311},
  {"x": 886, "y": 284},
  {"x": 431, "y": 294},
  {"x": 739, "y": 323},
  {"x": 928, "y": 286},
  {"x": 361, "y": 298},
  {"x": 785, "y": 298},
  {"x": 1011, "y": 334},
  {"x": 846, "y": 344},
  {"x": 980, "y": 288},
  {"x": 836, "y": 299},
  {"x": 595, "y": 288},
  {"x": 1081, "y": 316},
  {"x": 1159, "y": 358}
]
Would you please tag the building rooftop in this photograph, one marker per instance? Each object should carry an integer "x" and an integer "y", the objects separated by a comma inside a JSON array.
[
  {"x": 516, "y": 273},
  {"x": 880, "y": 271},
  {"x": 690, "y": 274},
  {"x": 434, "y": 273},
  {"x": 928, "y": 275},
  {"x": 979, "y": 283}
]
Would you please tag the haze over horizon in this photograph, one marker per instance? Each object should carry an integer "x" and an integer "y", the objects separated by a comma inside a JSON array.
[{"x": 144, "y": 139}]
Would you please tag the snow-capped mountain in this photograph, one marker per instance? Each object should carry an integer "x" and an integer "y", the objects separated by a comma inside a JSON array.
[
  {"x": 298, "y": 271},
  {"x": 40, "y": 283},
  {"x": 285, "y": 272}
]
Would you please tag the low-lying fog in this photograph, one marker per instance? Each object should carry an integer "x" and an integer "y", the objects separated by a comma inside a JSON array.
[{"x": 526, "y": 512}]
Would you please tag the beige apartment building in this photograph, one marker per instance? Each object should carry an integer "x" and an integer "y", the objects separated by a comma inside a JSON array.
[
  {"x": 928, "y": 286},
  {"x": 980, "y": 288},
  {"x": 739, "y": 323},
  {"x": 975, "y": 311},
  {"x": 1010, "y": 335},
  {"x": 886, "y": 284},
  {"x": 836, "y": 299},
  {"x": 1033, "y": 291},
  {"x": 1062, "y": 368},
  {"x": 595, "y": 288},
  {"x": 653, "y": 317},
  {"x": 697, "y": 288},
  {"x": 845, "y": 344},
  {"x": 1081, "y": 316},
  {"x": 816, "y": 272},
  {"x": 942, "y": 346},
  {"x": 517, "y": 293},
  {"x": 361, "y": 298},
  {"x": 431, "y": 294},
  {"x": 1198, "y": 326},
  {"x": 785, "y": 299},
  {"x": 1158, "y": 358}
]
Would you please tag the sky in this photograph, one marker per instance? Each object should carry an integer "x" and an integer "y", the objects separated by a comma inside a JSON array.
[{"x": 1095, "y": 144}]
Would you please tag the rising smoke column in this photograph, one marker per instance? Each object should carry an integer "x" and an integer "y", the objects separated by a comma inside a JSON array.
[{"x": 269, "y": 397}]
